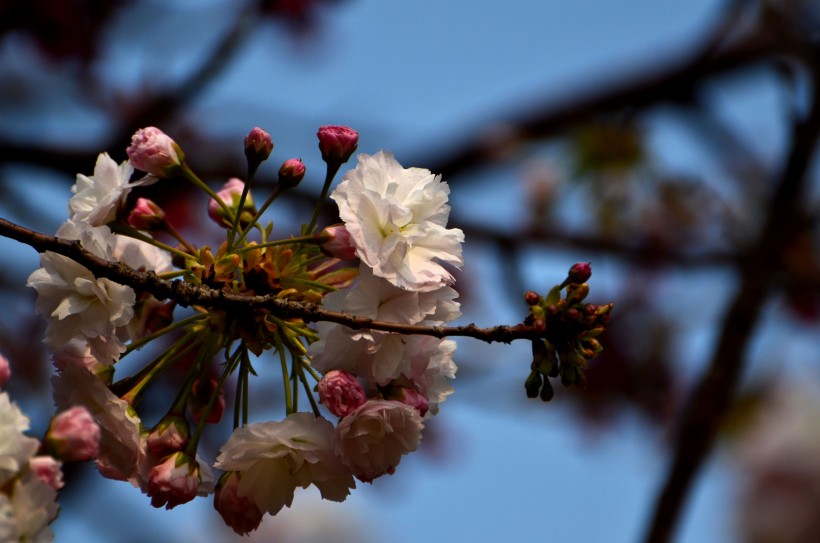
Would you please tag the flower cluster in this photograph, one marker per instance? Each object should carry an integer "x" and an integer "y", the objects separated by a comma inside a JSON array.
[
  {"x": 386, "y": 261},
  {"x": 31, "y": 471}
]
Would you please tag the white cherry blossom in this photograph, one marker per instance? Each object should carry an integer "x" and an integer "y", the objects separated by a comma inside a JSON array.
[{"x": 397, "y": 219}]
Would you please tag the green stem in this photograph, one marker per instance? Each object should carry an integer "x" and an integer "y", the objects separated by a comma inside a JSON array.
[
  {"x": 189, "y": 174},
  {"x": 245, "y": 191},
  {"x": 170, "y": 328},
  {"x": 190, "y": 450},
  {"x": 174, "y": 274},
  {"x": 276, "y": 190},
  {"x": 290, "y": 241},
  {"x": 150, "y": 372},
  {"x": 306, "y": 282},
  {"x": 305, "y": 364},
  {"x": 308, "y": 390},
  {"x": 136, "y": 234},
  {"x": 332, "y": 170},
  {"x": 169, "y": 229},
  {"x": 289, "y": 407}
]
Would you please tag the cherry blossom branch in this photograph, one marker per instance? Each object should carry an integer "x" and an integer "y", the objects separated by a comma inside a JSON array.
[{"x": 188, "y": 294}]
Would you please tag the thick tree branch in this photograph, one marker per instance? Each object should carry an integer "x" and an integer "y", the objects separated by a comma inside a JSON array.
[
  {"x": 711, "y": 399},
  {"x": 188, "y": 294}
]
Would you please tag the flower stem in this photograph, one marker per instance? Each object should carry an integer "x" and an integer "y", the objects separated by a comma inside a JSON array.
[
  {"x": 189, "y": 174},
  {"x": 245, "y": 191},
  {"x": 289, "y": 241},
  {"x": 332, "y": 169},
  {"x": 136, "y": 234},
  {"x": 276, "y": 190},
  {"x": 159, "y": 333},
  {"x": 289, "y": 406}
]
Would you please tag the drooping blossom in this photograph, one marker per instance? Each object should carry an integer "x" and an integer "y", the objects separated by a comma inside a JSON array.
[
  {"x": 397, "y": 218},
  {"x": 78, "y": 304},
  {"x": 432, "y": 369},
  {"x": 97, "y": 198},
  {"x": 340, "y": 392},
  {"x": 238, "y": 512},
  {"x": 120, "y": 446},
  {"x": 174, "y": 481},
  {"x": 276, "y": 457},
  {"x": 154, "y": 152},
  {"x": 16, "y": 448},
  {"x": 169, "y": 436},
  {"x": 373, "y": 438},
  {"x": 73, "y": 435}
]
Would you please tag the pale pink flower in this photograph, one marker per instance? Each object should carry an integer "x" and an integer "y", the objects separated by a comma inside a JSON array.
[
  {"x": 337, "y": 143},
  {"x": 432, "y": 368},
  {"x": 152, "y": 151},
  {"x": 397, "y": 218},
  {"x": 97, "y": 199},
  {"x": 174, "y": 481},
  {"x": 28, "y": 510},
  {"x": 338, "y": 243},
  {"x": 276, "y": 457},
  {"x": 341, "y": 392},
  {"x": 5, "y": 370},
  {"x": 238, "y": 512},
  {"x": 120, "y": 447},
  {"x": 76, "y": 303},
  {"x": 48, "y": 469},
  {"x": 15, "y": 447},
  {"x": 230, "y": 195},
  {"x": 77, "y": 352},
  {"x": 372, "y": 439},
  {"x": 73, "y": 435}
]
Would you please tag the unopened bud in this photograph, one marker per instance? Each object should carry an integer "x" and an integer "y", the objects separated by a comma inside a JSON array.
[
  {"x": 578, "y": 273},
  {"x": 239, "y": 512},
  {"x": 146, "y": 215},
  {"x": 152, "y": 151},
  {"x": 533, "y": 384},
  {"x": 258, "y": 146},
  {"x": 532, "y": 297},
  {"x": 5, "y": 370},
  {"x": 547, "y": 391},
  {"x": 291, "y": 173},
  {"x": 73, "y": 435},
  {"x": 230, "y": 195},
  {"x": 338, "y": 243},
  {"x": 337, "y": 143},
  {"x": 170, "y": 435}
]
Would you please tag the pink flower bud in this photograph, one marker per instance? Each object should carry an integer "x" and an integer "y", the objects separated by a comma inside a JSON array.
[
  {"x": 291, "y": 173},
  {"x": 73, "y": 435},
  {"x": 146, "y": 215},
  {"x": 337, "y": 242},
  {"x": 337, "y": 143},
  {"x": 152, "y": 151},
  {"x": 579, "y": 273},
  {"x": 230, "y": 194},
  {"x": 47, "y": 469},
  {"x": 238, "y": 512},
  {"x": 168, "y": 437},
  {"x": 258, "y": 146},
  {"x": 341, "y": 392},
  {"x": 201, "y": 392},
  {"x": 411, "y": 397},
  {"x": 5, "y": 370},
  {"x": 173, "y": 481}
]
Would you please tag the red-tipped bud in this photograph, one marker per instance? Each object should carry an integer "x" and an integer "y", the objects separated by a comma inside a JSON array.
[
  {"x": 341, "y": 392},
  {"x": 258, "y": 146},
  {"x": 146, "y": 215},
  {"x": 173, "y": 481},
  {"x": 5, "y": 370},
  {"x": 170, "y": 435},
  {"x": 532, "y": 297},
  {"x": 291, "y": 173},
  {"x": 152, "y": 151},
  {"x": 579, "y": 273},
  {"x": 337, "y": 243},
  {"x": 337, "y": 143}
]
